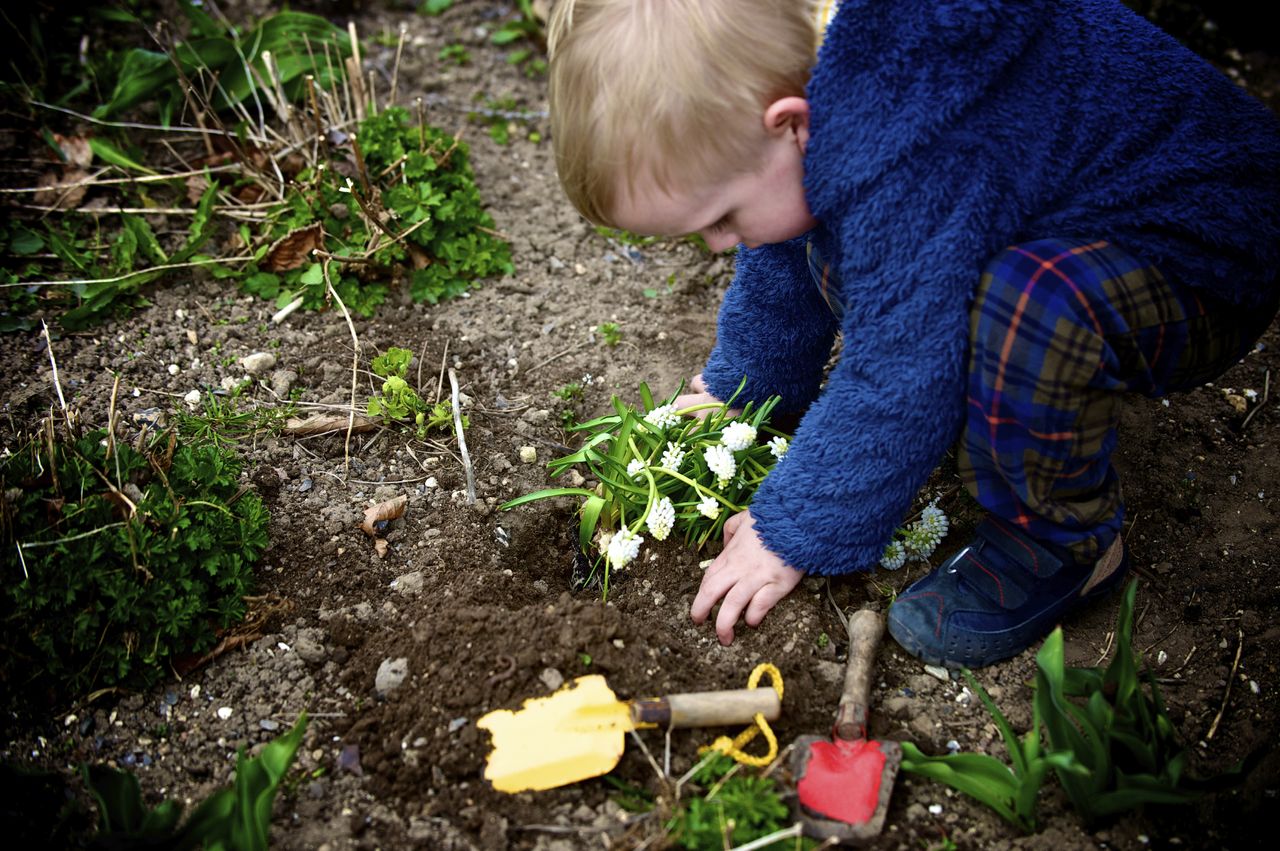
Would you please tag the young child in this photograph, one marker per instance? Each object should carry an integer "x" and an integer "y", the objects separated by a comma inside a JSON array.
[{"x": 1014, "y": 213}]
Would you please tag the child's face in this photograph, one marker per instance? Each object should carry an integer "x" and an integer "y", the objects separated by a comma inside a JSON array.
[{"x": 764, "y": 205}]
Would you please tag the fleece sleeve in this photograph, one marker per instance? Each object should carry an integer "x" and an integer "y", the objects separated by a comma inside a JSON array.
[
  {"x": 890, "y": 409},
  {"x": 774, "y": 330}
]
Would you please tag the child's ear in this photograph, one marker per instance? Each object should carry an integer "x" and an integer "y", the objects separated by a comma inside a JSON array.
[{"x": 789, "y": 115}]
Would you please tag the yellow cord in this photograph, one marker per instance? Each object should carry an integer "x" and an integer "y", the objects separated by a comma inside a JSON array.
[{"x": 733, "y": 747}]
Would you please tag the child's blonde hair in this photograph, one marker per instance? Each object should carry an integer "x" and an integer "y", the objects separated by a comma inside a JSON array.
[{"x": 672, "y": 89}]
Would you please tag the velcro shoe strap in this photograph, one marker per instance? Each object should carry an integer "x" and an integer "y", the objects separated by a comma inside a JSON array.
[{"x": 1019, "y": 548}]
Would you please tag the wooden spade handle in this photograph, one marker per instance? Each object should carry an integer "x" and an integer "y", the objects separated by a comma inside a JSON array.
[
  {"x": 707, "y": 708},
  {"x": 865, "y": 630}
]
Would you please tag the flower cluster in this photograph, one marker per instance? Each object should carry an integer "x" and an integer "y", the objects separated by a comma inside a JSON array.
[
  {"x": 623, "y": 547},
  {"x": 662, "y": 471},
  {"x": 721, "y": 462},
  {"x": 917, "y": 541},
  {"x": 738, "y": 436},
  {"x": 672, "y": 457},
  {"x": 663, "y": 416},
  {"x": 661, "y": 518}
]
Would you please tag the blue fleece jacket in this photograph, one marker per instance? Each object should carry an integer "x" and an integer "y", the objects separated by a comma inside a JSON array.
[{"x": 941, "y": 132}]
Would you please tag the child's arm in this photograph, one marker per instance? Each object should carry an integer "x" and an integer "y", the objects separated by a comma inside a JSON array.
[
  {"x": 747, "y": 576},
  {"x": 774, "y": 329}
]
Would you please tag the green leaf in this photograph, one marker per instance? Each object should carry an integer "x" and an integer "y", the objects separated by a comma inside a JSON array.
[
  {"x": 118, "y": 796},
  {"x": 435, "y": 7},
  {"x": 313, "y": 276},
  {"x": 109, "y": 153},
  {"x": 25, "y": 241},
  {"x": 547, "y": 493}
]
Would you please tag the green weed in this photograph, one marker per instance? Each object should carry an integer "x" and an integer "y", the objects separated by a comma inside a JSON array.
[
  {"x": 400, "y": 402},
  {"x": 737, "y": 808},
  {"x": 235, "y": 818},
  {"x": 425, "y": 189},
  {"x": 455, "y": 53},
  {"x": 119, "y": 559},
  {"x": 610, "y": 332},
  {"x": 298, "y": 43}
]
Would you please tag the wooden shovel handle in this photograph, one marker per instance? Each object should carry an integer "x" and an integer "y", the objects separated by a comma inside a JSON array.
[
  {"x": 865, "y": 630},
  {"x": 707, "y": 708}
]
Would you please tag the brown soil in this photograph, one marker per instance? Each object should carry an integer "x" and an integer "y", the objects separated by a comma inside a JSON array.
[{"x": 479, "y": 602}]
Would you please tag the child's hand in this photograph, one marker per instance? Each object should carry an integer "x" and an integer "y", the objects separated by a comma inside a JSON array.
[
  {"x": 746, "y": 575},
  {"x": 698, "y": 395}
]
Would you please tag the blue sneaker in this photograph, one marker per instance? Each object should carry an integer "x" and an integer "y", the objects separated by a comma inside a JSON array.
[{"x": 997, "y": 596}]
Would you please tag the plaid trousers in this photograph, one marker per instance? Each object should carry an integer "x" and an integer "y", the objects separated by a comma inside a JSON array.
[{"x": 1059, "y": 331}]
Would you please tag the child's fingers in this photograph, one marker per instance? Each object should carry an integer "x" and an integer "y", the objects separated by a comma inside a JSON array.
[
  {"x": 731, "y": 608},
  {"x": 764, "y": 601},
  {"x": 731, "y": 526},
  {"x": 697, "y": 385}
]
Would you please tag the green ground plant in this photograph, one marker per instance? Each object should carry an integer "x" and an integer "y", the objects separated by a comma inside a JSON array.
[
  {"x": 117, "y": 559},
  {"x": 223, "y": 420},
  {"x": 525, "y": 26},
  {"x": 231, "y": 63},
  {"x": 401, "y": 403},
  {"x": 1109, "y": 740},
  {"x": 1012, "y": 791},
  {"x": 610, "y": 333},
  {"x": 416, "y": 181},
  {"x": 737, "y": 807},
  {"x": 110, "y": 268},
  {"x": 234, "y": 818}
]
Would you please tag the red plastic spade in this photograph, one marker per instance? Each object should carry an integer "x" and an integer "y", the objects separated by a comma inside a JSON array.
[{"x": 844, "y": 784}]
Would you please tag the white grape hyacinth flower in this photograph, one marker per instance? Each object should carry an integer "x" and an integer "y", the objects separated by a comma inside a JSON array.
[
  {"x": 720, "y": 461},
  {"x": 895, "y": 556},
  {"x": 709, "y": 507},
  {"x": 663, "y": 416},
  {"x": 738, "y": 436},
  {"x": 624, "y": 546},
  {"x": 778, "y": 446},
  {"x": 661, "y": 518},
  {"x": 672, "y": 457},
  {"x": 634, "y": 467}
]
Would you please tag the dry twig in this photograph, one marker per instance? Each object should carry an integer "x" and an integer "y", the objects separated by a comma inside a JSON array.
[
  {"x": 462, "y": 440},
  {"x": 1226, "y": 694}
]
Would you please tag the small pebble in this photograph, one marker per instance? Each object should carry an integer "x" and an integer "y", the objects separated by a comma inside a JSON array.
[
  {"x": 529, "y": 454},
  {"x": 937, "y": 672},
  {"x": 953, "y": 746},
  {"x": 173, "y": 369},
  {"x": 269, "y": 725},
  {"x": 1254, "y": 687},
  {"x": 935, "y": 809},
  {"x": 224, "y": 712},
  {"x": 305, "y": 485},
  {"x": 457, "y": 724}
]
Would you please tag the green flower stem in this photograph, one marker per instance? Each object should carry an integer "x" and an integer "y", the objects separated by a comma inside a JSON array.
[
  {"x": 653, "y": 497},
  {"x": 701, "y": 489},
  {"x": 695, "y": 408}
]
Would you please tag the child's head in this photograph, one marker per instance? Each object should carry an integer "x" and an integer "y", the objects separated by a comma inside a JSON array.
[{"x": 668, "y": 92}]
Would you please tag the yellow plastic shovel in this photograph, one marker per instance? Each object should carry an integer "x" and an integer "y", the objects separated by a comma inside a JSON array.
[{"x": 579, "y": 731}]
